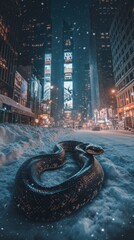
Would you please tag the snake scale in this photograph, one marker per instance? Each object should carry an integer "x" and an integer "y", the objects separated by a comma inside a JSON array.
[{"x": 40, "y": 203}]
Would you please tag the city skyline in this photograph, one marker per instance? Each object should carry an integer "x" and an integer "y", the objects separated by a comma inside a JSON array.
[{"x": 39, "y": 35}]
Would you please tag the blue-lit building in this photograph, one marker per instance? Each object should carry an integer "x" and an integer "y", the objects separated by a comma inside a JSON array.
[{"x": 101, "y": 70}]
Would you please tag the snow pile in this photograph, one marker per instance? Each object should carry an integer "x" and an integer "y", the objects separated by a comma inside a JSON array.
[
  {"x": 111, "y": 214},
  {"x": 15, "y": 140}
]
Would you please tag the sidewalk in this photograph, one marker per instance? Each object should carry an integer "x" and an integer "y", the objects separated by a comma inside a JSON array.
[{"x": 122, "y": 131}]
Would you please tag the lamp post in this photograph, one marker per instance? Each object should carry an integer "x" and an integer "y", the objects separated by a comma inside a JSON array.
[
  {"x": 4, "y": 113},
  {"x": 114, "y": 107}
]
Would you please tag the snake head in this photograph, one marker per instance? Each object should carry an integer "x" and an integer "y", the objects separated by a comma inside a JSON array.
[{"x": 94, "y": 149}]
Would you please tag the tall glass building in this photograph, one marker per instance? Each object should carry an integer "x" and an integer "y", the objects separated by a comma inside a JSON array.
[
  {"x": 122, "y": 43},
  {"x": 35, "y": 34},
  {"x": 9, "y": 12},
  {"x": 102, "y": 78}
]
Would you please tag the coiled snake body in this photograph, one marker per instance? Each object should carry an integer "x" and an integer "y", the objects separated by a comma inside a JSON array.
[{"x": 38, "y": 202}]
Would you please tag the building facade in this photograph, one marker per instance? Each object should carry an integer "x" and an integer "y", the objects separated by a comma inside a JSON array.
[
  {"x": 68, "y": 66},
  {"x": 35, "y": 35},
  {"x": 101, "y": 69},
  {"x": 13, "y": 87},
  {"x": 122, "y": 43},
  {"x": 86, "y": 94},
  {"x": 9, "y": 12}
]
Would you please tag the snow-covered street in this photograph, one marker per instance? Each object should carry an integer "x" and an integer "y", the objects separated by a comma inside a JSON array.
[{"x": 110, "y": 216}]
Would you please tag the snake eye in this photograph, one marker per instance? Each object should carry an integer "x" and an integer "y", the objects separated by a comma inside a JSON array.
[{"x": 93, "y": 149}]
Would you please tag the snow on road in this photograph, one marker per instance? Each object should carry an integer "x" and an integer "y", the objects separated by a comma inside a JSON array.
[{"x": 110, "y": 216}]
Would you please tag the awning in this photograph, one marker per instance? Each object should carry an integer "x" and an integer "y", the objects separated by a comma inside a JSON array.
[{"x": 16, "y": 107}]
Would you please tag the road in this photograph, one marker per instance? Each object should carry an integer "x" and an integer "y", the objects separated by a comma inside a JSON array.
[{"x": 118, "y": 143}]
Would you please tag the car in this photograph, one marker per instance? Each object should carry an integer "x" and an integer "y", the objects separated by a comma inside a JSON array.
[
  {"x": 79, "y": 126},
  {"x": 96, "y": 128}
]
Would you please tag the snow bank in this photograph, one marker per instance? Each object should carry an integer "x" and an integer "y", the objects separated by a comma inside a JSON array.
[{"x": 111, "y": 214}]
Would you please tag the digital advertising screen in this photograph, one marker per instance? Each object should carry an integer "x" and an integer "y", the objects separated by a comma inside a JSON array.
[
  {"x": 24, "y": 88},
  {"x": 68, "y": 76},
  {"x": 47, "y": 90},
  {"x": 67, "y": 57},
  {"x": 47, "y": 76},
  {"x": 68, "y": 68},
  {"x": 48, "y": 59},
  {"x": 20, "y": 86},
  {"x": 18, "y": 81},
  {"x": 68, "y": 95}
]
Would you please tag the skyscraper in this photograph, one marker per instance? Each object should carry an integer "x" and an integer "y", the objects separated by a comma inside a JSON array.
[
  {"x": 86, "y": 94},
  {"x": 35, "y": 34},
  {"x": 9, "y": 12},
  {"x": 122, "y": 43},
  {"x": 102, "y": 78},
  {"x": 75, "y": 16}
]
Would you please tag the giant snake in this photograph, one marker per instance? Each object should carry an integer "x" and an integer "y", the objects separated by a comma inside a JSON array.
[{"x": 38, "y": 202}]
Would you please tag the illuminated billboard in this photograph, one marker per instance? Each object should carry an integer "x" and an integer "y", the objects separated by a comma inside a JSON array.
[
  {"x": 24, "y": 88},
  {"x": 68, "y": 68},
  {"x": 48, "y": 59},
  {"x": 47, "y": 90},
  {"x": 47, "y": 77},
  {"x": 20, "y": 88},
  {"x": 68, "y": 95},
  {"x": 17, "y": 81},
  {"x": 68, "y": 76},
  {"x": 67, "y": 57},
  {"x": 68, "y": 83},
  {"x": 47, "y": 69}
]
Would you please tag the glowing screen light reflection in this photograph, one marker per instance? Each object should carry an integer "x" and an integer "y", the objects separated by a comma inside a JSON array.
[
  {"x": 68, "y": 95},
  {"x": 47, "y": 77},
  {"x": 68, "y": 68},
  {"x": 68, "y": 57}
]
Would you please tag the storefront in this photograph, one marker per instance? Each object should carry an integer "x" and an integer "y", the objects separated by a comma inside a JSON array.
[{"x": 13, "y": 112}]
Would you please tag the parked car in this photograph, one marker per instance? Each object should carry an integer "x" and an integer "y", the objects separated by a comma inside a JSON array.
[{"x": 96, "y": 128}]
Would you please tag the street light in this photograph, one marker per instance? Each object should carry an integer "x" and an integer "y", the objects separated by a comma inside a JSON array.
[
  {"x": 113, "y": 91},
  {"x": 36, "y": 121}
]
